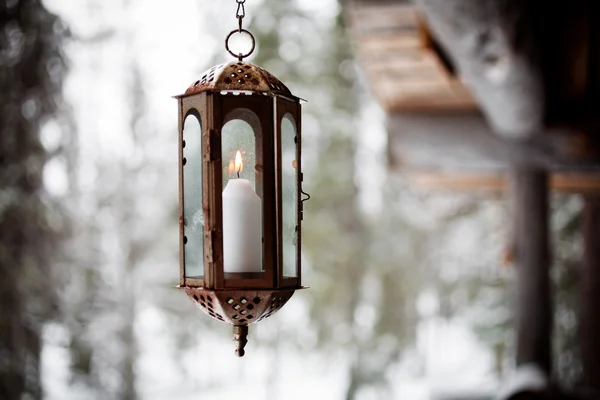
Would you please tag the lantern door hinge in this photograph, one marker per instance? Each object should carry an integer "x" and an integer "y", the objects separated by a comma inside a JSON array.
[{"x": 214, "y": 150}]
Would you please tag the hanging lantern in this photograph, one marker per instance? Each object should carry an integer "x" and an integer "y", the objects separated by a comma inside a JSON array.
[{"x": 240, "y": 192}]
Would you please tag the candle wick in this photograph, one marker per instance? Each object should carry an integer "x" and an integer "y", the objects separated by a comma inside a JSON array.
[{"x": 238, "y": 173}]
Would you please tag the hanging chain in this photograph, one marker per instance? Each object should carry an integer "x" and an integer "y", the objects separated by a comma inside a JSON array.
[{"x": 240, "y": 14}]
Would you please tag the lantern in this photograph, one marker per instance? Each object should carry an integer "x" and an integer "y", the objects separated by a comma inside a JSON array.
[{"x": 239, "y": 192}]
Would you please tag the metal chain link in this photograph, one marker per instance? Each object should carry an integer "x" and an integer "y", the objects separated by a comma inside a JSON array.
[{"x": 240, "y": 13}]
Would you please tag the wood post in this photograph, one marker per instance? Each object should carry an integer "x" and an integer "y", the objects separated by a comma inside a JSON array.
[
  {"x": 532, "y": 259},
  {"x": 589, "y": 325}
]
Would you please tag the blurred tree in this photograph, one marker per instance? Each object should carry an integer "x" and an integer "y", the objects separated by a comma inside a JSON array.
[
  {"x": 486, "y": 297},
  {"x": 365, "y": 271},
  {"x": 103, "y": 344},
  {"x": 567, "y": 250},
  {"x": 31, "y": 74}
]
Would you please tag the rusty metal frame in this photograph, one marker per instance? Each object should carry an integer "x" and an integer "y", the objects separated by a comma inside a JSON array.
[
  {"x": 284, "y": 106},
  {"x": 180, "y": 189},
  {"x": 213, "y": 206},
  {"x": 192, "y": 105},
  {"x": 215, "y": 110},
  {"x": 259, "y": 105},
  {"x": 299, "y": 180},
  {"x": 250, "y": 93}
]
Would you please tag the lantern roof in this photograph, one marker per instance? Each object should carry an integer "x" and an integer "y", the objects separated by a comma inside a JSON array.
[{"x": 238, "y": 75}]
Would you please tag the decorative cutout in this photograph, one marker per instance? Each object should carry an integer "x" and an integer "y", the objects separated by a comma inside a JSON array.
[
  {"x": 238, "y": 307},
  {"x": 238, "y": 76}
]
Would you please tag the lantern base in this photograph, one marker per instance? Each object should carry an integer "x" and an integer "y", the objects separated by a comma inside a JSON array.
[{"x": 239, "y": 307}]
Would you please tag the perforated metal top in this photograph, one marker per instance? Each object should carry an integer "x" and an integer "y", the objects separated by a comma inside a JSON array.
[{"x": 238, "y": 76}]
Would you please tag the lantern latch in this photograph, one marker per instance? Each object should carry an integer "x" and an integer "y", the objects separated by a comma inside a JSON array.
[{"x": 304, "y": 199}]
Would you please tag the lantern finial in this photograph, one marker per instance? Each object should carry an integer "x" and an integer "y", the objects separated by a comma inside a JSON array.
[{"x": 240, "y": 337}]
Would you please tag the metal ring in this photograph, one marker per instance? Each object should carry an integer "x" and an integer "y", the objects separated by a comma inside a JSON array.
[{"x": 240, "y": 55}]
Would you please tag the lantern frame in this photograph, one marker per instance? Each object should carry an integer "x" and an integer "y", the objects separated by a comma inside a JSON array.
[{"x": 241, "y": 91}]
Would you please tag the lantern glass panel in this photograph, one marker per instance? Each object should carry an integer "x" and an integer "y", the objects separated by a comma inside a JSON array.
[
  {"x": 242, "y": 205},
  {"x": 193, "y": 215},
  {"x": 289, "y": 196}
]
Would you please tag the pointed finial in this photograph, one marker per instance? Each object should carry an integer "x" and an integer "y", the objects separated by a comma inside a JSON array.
[{"x": 240, "y": 337}]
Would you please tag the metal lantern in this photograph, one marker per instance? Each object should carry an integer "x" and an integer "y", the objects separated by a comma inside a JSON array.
[{"x": 240, "y": 203}]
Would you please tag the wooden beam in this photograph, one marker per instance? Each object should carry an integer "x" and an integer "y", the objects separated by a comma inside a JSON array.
[
  {"x": 463, "y": 142},
  {"x": 585, "y": 183},
  {"x": 388, "y": 44},
  {"x": 531, "y": 251},
  {"x": 401, "y": 64},
  {"x": 491, "y": 43},
  {"x": 372, "y": 18},
  {"x": 589, "y": 318}
]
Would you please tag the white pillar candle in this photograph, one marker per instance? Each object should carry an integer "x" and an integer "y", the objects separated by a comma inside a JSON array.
[{"x": 242, "y": 238}]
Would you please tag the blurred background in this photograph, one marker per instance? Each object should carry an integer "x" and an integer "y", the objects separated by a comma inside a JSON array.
[{"x": 410, "y": 289}]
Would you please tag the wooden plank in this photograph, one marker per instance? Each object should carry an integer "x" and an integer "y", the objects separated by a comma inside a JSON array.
[
  {"x": 403, "y": 69},
  {"x": 418, "y": 83},
  {"x": 373, "y": 45},
  {"x": 422, "y": 101},
  {"x": 405, "y": 58},
  {"x": 421, "y": 88},
  {"x": 401, "y": 66},
  {"x": 424, "y": 65},
  {"x": 529, "y": 193},
  {"x": 586, "y": 183},
  {"x": 369, "y": 19},
  {"x": 463, "y": 142},
  {"x": 423, "y": 104}
]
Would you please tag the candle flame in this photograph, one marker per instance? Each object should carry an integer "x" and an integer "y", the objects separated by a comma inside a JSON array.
[{"x": 237, "y": 166}]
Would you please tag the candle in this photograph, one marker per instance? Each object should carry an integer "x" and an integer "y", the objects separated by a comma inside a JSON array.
[{"x": 242, "y": 238}]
